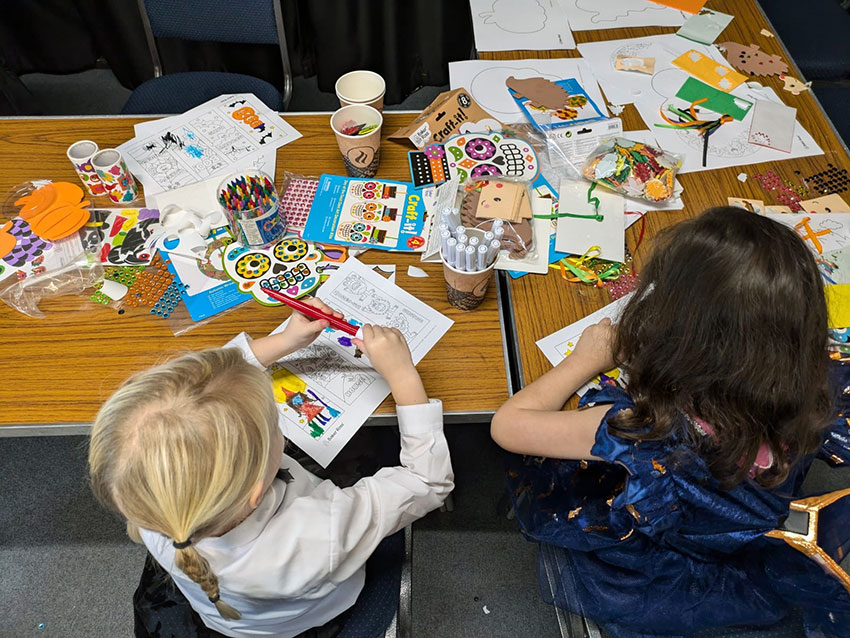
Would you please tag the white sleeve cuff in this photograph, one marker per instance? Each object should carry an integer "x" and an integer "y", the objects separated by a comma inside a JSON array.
[
  {"x": 423, "y": 417},
  {"x": 243, "y": 342}
]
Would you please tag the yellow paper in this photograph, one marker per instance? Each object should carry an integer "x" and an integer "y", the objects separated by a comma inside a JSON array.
[
  {"x": 838, "y": 305},
  {"x": 713, "y": 73}
]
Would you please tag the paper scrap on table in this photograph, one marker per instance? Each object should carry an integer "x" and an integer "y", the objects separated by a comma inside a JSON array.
[
  {"x": 821, "y": 232},
  {"x": 626, "y": 88},
  {"x": 635, "y": 64},
  {"x": 559, "y": 345},
  {"x": 413, "y": 271},
  {"x": 832, "y": 203},
  {"x": 485, "y": 81},
  {"x": 766, "y": 33},
  {"x": 709, "y": 71},
  {"x": 509, "y": 25},
  {"x": 208, "y": 140},
  {"x": 590, "y": 15},
  {"x": 385, "y": 270},
  {"x": 324, "y": 393},
  {"x": 838, "y": 305},
  {"x": 705, "y": 26},
  {"x": 577, "y": 235},
  {"x": 772, "y": 125},
  {"x": 742, "y": 177}
]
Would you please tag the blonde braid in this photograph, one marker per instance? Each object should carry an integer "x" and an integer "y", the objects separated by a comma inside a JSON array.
[{"x": 198, "y": 569}]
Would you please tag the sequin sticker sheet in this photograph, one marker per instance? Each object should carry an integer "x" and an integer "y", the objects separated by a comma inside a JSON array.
[{"x": 296, "y": 201}]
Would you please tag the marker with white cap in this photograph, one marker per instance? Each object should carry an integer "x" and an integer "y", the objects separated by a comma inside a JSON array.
[{"x": 470, "y": 259}]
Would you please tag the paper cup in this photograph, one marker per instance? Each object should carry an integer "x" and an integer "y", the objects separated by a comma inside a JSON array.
[
  {"x": 80, "y": 154},
  {"x": 361, "y": 154},
  {"x": 466, "y": 290},
  {"x": 361, "y": 87},
  {"x": 117, "y": 180}
]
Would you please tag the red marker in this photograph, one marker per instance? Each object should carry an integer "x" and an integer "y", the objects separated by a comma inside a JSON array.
[{"x": 313, "y": 313}]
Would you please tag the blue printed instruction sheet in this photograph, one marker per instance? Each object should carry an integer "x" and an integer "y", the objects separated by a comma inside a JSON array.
[{"x": 370, "y": 213}]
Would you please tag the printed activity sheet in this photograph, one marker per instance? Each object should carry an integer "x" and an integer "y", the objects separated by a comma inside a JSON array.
[
  {"x": 822, "y": 232},
  {"x": 507, "y": 25},
  {"x": 215, "y": 138},
  {"x": 485, "y": 81},
  {"x": 589, "y": 15},
  {"x": 559, "y": 345},
  {"x": 325, "y": 393}
]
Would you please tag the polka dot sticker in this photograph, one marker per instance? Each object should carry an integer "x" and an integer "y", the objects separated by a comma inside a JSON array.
[{"x": 296, "y": 201}]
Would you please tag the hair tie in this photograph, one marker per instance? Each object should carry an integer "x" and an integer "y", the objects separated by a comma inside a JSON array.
[
  {"x": 182, "y": 545},
  {"x": 214, "y": 599}
]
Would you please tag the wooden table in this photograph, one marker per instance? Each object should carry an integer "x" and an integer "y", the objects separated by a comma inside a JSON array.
[
  {"x": 58, "y": 370},
  {"x": 543, "y": 304}
]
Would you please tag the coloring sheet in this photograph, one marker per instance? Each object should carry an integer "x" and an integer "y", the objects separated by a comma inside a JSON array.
[
  {"x": 212, "y": 139},
  {"x": 729, "y": 145},
  {"x": 625, "y": 87},
  {"x": 508, "y": 25},
  {"x": 559, "y": 345},
  {"x": 822, "y": 232},
  {"x": 588, "y": 15},
  {"x": 325, "y": 394},
  {"x": 485, "y": 81}
]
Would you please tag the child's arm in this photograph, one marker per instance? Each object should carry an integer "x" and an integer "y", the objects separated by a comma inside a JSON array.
[
  {"x": 532, "y": 421},
  {"x": 299, "y": 333}
]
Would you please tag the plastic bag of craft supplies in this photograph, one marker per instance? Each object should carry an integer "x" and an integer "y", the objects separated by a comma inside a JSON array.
[{"x": 633, "y": 168}]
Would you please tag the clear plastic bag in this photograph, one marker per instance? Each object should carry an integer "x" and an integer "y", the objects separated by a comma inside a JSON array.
[
  {"x": 634, "y": 169},
  {"x": 516, "y": 235}
]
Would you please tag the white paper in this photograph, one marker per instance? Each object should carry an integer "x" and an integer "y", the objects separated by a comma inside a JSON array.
[
  {"x": 559, "y": 345},
  {"x": 729, "y": 145},
  {"x": 838, "y": 225},
  {"x": 588, "y": 15},
  {"x": 214, "y": 138},
  {"x": 437, "y": 199},
  {"x": 485, "y": 81},
  {"x": 201, "y": 198},
  {"x": 350, "y": 387},
  {"x": 624, "y": 87},
  {"x": 509, "y": 25},
  {"x": 575, "y": 235}
]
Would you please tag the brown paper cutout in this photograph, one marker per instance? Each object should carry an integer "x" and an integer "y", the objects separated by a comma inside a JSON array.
[
  {"x": 750, "y": 59},
  {"x": 793, "y": 85},
  {"x": 540, "y": 92}
]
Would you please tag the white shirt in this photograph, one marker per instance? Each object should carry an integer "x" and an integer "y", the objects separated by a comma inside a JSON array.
[{"x": 298, "y": 560}]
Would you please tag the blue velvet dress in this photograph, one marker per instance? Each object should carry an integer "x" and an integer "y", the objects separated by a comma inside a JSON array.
[{"x": 649, "y": 544}]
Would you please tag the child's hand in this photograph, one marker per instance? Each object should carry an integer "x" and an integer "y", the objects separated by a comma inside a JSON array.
[
  {"x": 301, "y": 330},
  {"x": 390, "y": 356},
  {"x": 596, "y": 345}
]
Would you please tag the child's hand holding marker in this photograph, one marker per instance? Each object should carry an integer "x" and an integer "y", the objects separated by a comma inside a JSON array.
[{"x": 390, "y": 356}]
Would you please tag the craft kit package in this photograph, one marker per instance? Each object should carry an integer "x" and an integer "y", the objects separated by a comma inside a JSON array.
[{"x": 633, "y": 168}]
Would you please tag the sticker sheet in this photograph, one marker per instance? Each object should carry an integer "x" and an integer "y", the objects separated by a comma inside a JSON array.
[
  {"x": 429, "y": 166},
  {"x": 120, "y": 236},
  {"x": 559, "y": 345},
  {"x": 367, "y": 212},
  {"x": 324, "y": 393},
  {"x": 296, "y": 201},
  {"x": 292, "y": 265},
  {"x": 484, "y": 154},
  {"x": 508, "y": 25},
  {"x": 208, "y": 140}
]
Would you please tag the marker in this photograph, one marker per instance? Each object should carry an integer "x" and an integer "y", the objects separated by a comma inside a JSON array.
[
  {"x": 445, "y": 235},
  {"x": 460, "y": 257},
  {"x": 493, "y": 250},
  {"x": 498, "y": 223},
  {"x": 473, "y": 241},
  {"x": 459, "y": 230},
  {"x": 498, "y": 232},
  {"x": 481, "y": 257},
  {"x": 450, "y": 251},
  {"x": 314, "y": 313},
  {"x": 461, "y": 238},
  {"x": 488, "y": 237},
  {"x": 443, "y": 226},
  {"x": 470, "y": 259}
]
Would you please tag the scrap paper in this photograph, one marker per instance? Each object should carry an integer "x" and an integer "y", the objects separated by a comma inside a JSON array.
[
  {"x": 485, "y": 81},
  {"x": 822, "y": 232},
  {"x": 121, "y": 236},
  {"x": 552, "y": 105},
  {"x": 793, "y": 85},
  {"x": 728, "y": 145},
  {"x": 705, "y": 26},
  {"x": 324, "y": 393},
  {"x": 509, "y": 25},
  {"x": 590, "y": 15},
  {"x": 772, "y": 125},
  {"x": 709, "y": 71},
  {"x": 367, "y": 213},
  {"x": 753, "y": 205},
  {"x": 577, "y": 235},
  {"x": 691, "y": 6},
  {"x": 718, "y": 101},
  {"x": 626, "y": 88},
  {"x": 559, "y": 345},
  {"x": 752, "y": 60},
  {"x": 209, "y": 140},
  {"x": 838, "y": 305},
  {"x": 833, "y": 203}
]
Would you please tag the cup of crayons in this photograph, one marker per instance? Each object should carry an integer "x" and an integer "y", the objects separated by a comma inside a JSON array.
[
  {"x": 250, "y": 203},
  {"x": 468, "y": 256}
]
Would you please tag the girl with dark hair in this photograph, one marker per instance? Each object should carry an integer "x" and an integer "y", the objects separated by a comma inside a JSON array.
[{"x": 656, "y": 498}]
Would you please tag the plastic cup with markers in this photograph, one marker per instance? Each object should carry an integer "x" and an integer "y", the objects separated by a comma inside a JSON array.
[
  {"x": 468, "y": 257},
  {"x": 250, "y": 202}
]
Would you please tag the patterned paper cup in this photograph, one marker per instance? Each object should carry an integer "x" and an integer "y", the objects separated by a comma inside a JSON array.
[
  {"x": 361, "y": 154},
  {"x": 80, "y": 154},
  {"x": 117, "y": 180}
]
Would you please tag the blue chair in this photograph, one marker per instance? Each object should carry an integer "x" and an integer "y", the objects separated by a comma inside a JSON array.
[
  {"x": 816, "y": 33},
  {"x": 835, "y": 101},
  {"x": 245, "y": 21}
]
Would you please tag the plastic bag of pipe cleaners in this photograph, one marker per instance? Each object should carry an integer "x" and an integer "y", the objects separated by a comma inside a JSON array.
[{"x": 633, "y": 169}]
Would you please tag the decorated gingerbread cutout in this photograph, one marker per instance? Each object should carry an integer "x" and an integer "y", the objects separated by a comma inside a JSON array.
[{"x": 752, "y": 60}]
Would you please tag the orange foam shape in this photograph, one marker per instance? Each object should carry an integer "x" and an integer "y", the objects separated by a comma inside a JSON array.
[
  {"x": 57, "y": 223},
  {"x": 50, "y": 196},
  {"x": 7, "y": 240}
]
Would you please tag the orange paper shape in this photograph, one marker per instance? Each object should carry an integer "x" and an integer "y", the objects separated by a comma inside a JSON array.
[
  {"x": 691, "y": 6},
  {"x": 59, "y": 222},
  {"x": 7, "y": 240},
  {"x": 752, "y": 60},
  {"x": 713, "y": 73},
  {"x": 54, "y": 210}
]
